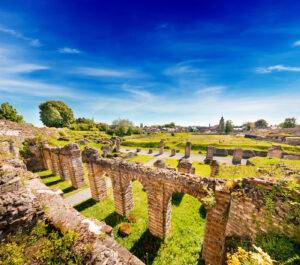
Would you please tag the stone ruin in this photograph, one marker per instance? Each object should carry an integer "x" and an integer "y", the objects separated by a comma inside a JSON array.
[
  {"x": 188, "y": 147},
  {"x": 161, "y": 147},
  {"x": 173, "y": 152},
  {"x": 209, "y": 154},
  {"x": 184, "y": 166},
  {"x": 9, "y": 148},
  {"x": 118, "y": 143},
  {"x": 275, "y": 151},
  {"x": 150, "y": 151},
  {"x": 237, "y": 156},
  {"x": 159, "y": 163},
  {"x": 214, "y": 168}
]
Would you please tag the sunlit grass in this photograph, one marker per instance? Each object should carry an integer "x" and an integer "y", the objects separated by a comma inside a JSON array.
[
  {"x": 141, "y": 158},
  {"x": 53, "y": 181},
  {"x": 184, "y": 242}
]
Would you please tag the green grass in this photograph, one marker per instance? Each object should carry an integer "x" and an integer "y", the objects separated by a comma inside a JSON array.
[
  {"x": 141, "y": 158},
  {"x": 264, "y": 161},
  {"x": 184, "y": 242},
  {"x": 53, "y": 181},
  {"x": 200, "y": 142}
]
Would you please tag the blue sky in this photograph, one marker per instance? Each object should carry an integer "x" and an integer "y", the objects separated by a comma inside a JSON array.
[{"x": 188, "y": 62}]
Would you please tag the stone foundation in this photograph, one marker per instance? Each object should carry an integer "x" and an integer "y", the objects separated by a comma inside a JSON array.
[{"x": 275, "y": 151}]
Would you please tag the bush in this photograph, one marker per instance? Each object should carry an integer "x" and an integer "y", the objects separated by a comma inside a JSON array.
[
  {"x": 56, "y": 114},
  {"x": 8, "y": 112}
]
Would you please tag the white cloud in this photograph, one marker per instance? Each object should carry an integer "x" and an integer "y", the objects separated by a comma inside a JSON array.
[
  {"x": 297, "y": 43},
  {"x": 103, "y": 72},
  {"x": 212, "y": 89},
  {"x": 264, "y": 70},
  {"x": 68, "y": 50},
  {"x": 12, "y": 32},
  {"x": 22, "y": 68}
]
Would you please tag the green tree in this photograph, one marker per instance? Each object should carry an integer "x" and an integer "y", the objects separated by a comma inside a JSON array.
[
  {"x": 261, "y": 124},
  {"x": 228, "y": 127},
  {"x": 8, "y": 112},
  {"x": 222, "y": 125},
  {"x": 249, "y": 126},
  {"x": 54, "y": 113},
  {"x": 289, "y": 123}
]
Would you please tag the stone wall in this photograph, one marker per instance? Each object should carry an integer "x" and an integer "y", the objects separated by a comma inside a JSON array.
[
  {"x": 18, "y": 208},
  {"x": 20, "y": 131},
  {"x": 9, "y": 149},
  {"x": 228, "y": 214}
]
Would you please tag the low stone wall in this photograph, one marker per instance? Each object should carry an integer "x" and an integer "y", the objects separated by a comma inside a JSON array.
[{"x": 9, "y": 149}]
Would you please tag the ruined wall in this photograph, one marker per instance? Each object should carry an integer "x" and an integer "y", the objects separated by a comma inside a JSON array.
[
  {"x": 18, "y": 208},
  {"x": 250, "y": 214}
]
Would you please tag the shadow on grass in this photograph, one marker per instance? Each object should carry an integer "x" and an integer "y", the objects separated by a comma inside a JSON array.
[
  {"x": 177, "y": 198},
  {"x": 47, "y": 176},
  {"x": 146, "y": 247},
  {"x": 84, "y": 205},
  {"x": 69, "y": 189},
  {"x": 52, "y": 183},
  {"x": 113, "y": 219},
  {"x": 202, "y": 211}
]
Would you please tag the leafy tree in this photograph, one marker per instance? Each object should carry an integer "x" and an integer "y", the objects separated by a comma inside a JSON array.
[
  {"x": 102, "y": 127},
  {"x": 8, "y": 112},
  {"x": 54, "y": 113},
  {"x": 249, "y": 126},
  {"x": 222, "y": 125},
  {"x": 289, "y": 123},
  {"x": 84, "y": 120},
  {"x": 170, "y": 125},
  {"x": 228, "y": 127},
  {"x": 261, "y": 124}
]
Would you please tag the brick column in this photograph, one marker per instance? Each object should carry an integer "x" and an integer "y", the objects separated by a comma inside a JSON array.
[
  {"x": 237, "y": 156},
  {"x": 47, "y": 158},
  {"x": 117, "y": 145},
  {"x": 54, "y": 160},
  {"x": 215, "y": 226},
  {"x": 188, "y": 149},
  {"x": 123, "y": 196},
  {"x": 65, "y": 166},
  {"x": 214, "y": 169},
  {"x": 78, "y": 180},
  {"x": 161, "y": 147},
  {"x": 209, "y": 154},
  {"x": 97, "y": 181},
  {"x": 159, "y": 209}
]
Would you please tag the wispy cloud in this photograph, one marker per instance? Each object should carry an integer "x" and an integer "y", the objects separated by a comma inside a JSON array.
[
  {"x": 212, "y": 90},
  {"x": 265, "y": 70},
  {"x": 33, "y": 42},
  {"x": 22, "y": 68},
  {"x": 68, "y": 50},
  {"x": 297, "y": 43},
  {"x": 104, "y": 72}
]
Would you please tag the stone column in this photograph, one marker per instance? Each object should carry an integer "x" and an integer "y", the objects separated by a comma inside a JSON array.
[
  {"x": 209, "y": 154},
  {"x": 161, "y": 147},
  {"x": 188, "y": 147},
  {"x": 159, "y": 209},
  {"x": 214, "y": 169},
  {"x": 65, "y": 165},
  {"x": 173, "y": 152},
  {"x": 150, "y": 151},
  {"x": 97, "y": 181},
  {"x": 215, "y": 226},
  {"x": 47, "y": 158},
  {"x": 237, "y": 156},
  {"x": 123, "y": 196},
  {"x": 275, "y": 151},
  {"x": 184, "y": 166},
  {"x": 117, "y": 145},
  {"x": 55, "y": 161}
]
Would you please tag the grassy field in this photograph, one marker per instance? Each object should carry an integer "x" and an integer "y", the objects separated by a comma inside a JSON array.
[
  {"x": 141, "y": 158},
  {"x": 182, "y": 246},
  {"x": 53, "y": 181},
  {"x": 200, "y": 142}
]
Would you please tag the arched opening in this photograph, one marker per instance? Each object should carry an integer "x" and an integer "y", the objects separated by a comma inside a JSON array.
[{"x": 184, "y": 242}]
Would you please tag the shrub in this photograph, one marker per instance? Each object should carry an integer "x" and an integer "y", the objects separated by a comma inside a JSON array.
[
  {"x": 8, "y": 112},
  {"x": 55, "y": 113}
]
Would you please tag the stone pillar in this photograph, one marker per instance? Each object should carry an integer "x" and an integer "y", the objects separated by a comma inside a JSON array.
[
  {"x": 65, "y": 166},
  {"x": 47, "y": 158},
  {"x": 55, "y": 161},
  {"x": 209, "y": 154},
  {"x": 161, "y": 147},
  {"x": 173, "y": 152},
  {"x": 159, "y": 209},
  {"x": 193, "y": 170},
  {"x": 184, "y": 166},
  {"x": 76, "y": 164},
  {"x": 188, "y": 147},
  {"x": 159, "y": 163},
  {"x": 14, "y": 149},
  {"x": 215, "y": 226},
  {"x": 117, "y": 145},
  {"x": 123, "y": 196},
  {"x": 237, "y": 156},
  {"x": 214, "y": 169},
  {"x": 97, "y": 181},
  {"x": 150, "y": 151},
  {"x": 275, "y": 151}
]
